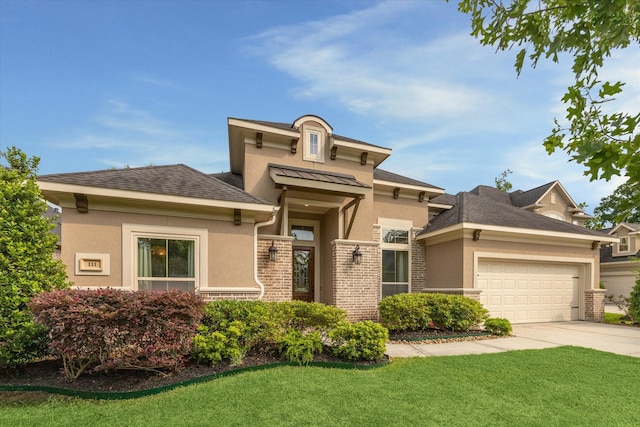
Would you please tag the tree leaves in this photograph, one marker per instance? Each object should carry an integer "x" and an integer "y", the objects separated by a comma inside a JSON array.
[{"x": 606, "y": 143}]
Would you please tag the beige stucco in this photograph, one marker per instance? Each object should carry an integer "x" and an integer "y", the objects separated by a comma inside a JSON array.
[
  {"x": 230, "y": 255},
  {"x": 409, "y": 209}
]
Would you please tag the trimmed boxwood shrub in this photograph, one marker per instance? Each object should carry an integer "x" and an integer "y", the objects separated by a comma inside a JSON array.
[
  {"x": 497, "y": 326},
  {"x": 402, "y": 312},
  {"x": 111, "y": 329},
  {"x": 359, "y": 341},
  {"x": 299, "y": 347}
]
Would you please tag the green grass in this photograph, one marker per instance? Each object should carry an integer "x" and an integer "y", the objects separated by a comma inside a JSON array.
[{"x": 552, "y": 387}]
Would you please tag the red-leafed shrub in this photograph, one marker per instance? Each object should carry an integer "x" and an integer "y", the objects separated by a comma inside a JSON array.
[{"x": 110, "y": 329}]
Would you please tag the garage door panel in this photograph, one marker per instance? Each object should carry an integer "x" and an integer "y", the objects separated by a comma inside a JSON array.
[{"x": 529, "y": 291}]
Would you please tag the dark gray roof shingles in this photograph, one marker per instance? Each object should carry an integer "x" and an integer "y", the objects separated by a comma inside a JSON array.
[
  {"x": 481, "y": 210},
  {"x": 384, "y": 175},
  {"x": 175, "y": 180}
]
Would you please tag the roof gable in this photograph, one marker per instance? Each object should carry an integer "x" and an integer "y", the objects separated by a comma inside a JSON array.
[{"x": 534, "y": 196}]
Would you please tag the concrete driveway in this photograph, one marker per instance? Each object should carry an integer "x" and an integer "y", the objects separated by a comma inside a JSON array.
[{"x": 623, "y": 340}]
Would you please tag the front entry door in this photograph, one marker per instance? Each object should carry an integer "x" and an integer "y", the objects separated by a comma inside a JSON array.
[{"x": 303, "y": 273}]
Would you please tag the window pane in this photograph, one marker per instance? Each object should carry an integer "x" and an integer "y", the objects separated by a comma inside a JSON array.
[
  {"x": 166, "y": 285},
  {"x": 158, "y": 257},
  {"x": 388, "y": 290},
  {"x": 395, "y": 266},
  {"x": 395, "y": 236},
  {"x": 302, "y": 232},
  {"x": 313, "y": 144},
  {"x": 181, "y": 260},
  {"x": 388, "y": 266}
]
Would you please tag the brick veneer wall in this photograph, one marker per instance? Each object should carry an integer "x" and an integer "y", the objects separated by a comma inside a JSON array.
[
  {"x": 277, "y": 277},
  {"x": 356, "y": 288},
  {"x": 594, "y": 305},
  {"x": 418, "y": 264}
]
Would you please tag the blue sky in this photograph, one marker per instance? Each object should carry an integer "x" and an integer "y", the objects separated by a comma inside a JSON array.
[{"x": 91, "y": 85}]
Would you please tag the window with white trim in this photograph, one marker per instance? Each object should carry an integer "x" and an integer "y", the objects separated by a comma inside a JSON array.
[
  {"x": 395, "y": 245},
  {"x": 164, "y": 264},
  {"x": 163, "y": 258},
  {"x": 313, "y": 146},
  {"x": 623, "y": 246}
]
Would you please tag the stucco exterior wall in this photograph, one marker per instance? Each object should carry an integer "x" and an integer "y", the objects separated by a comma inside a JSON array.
[
  {"x": 230, "y": 247},
  {"x": 444, "y": 265},
  {"x": 401, "y": 208}
]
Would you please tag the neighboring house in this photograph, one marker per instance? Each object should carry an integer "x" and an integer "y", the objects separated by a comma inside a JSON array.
[
  {"x": 307, "y": 214},
  {"x": 619, "y": 262}
]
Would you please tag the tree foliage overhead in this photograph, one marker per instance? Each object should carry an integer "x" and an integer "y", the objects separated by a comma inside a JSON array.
[
  {"x": 27, "y": 266},
  {"x": 606, "y": 143},
  {"x": 607, "y": 212}
]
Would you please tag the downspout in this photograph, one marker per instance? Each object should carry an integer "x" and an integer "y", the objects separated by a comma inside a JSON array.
[{"x": 271, "y": 220}]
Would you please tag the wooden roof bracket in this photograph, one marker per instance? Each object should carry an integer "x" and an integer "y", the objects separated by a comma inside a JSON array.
[
  {"x": 294, "y": 145},
  {"x": 334, "y": 152},
  {"x": 355, "y": 203},
  {"x": 363, "y": 158},
  {"x": 258, "y": 139},
  {"x": 82, "y": 202}
]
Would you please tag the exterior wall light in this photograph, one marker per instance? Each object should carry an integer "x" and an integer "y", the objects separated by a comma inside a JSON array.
[
  {"x": 273, "y": 252},
  {"x": 357, "y": 255}
]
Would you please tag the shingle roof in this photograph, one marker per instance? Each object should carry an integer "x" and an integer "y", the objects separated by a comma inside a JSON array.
[
  {"x": 175, "y": 180},
  {"x": 606, "y": 255},
  {"x": 384, "y": 175},
  {"x": 481, "y": 210},
  {"x": 493, "y": 193},
  {"x": 521, "y": 198},
  {"x": 444, "y": 199},
  {"x": 234, "y": 179},
  {"x": 316, "y": 175}
]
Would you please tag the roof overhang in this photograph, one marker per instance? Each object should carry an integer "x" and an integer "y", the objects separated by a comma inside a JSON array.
[
  {"x": 631, "y": 229},
  {"x": 55, "y": 192},
  {"x": 374, "y": 154},
  {"x": 493, "y": 232},
  {"x": 407, "y": 189}
]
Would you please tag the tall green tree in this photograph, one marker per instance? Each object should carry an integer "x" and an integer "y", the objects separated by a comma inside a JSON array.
[
  {"x": 587, "y": 31},
  {"x": 27, "y": 265},
  {"x": 607, "y": 212}
]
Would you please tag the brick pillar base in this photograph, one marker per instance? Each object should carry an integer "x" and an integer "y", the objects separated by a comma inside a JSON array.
[
  {"x": 594, "y": 305},
  {"x": 277, "y": 276},
  {"x": 356, "y": 288}
]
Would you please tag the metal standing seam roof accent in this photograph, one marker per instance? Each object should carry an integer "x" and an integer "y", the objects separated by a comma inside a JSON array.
[
  {"x": 174, "y": 180},
  {"x": 316, "y": 175}
]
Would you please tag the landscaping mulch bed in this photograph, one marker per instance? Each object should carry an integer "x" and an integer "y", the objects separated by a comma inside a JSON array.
[{"x": 50, "y": 373}]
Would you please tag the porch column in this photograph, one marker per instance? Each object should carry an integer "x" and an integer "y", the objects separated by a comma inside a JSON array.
[
  {"x": 356, "y": 288},
  {"x": 594, "y": 305}
]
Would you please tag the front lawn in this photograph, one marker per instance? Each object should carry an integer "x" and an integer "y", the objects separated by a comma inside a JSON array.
[{"x": 559, "y": 386}]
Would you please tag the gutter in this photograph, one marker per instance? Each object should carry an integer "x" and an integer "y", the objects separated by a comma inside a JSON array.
[{"x": 270, "y": 221}]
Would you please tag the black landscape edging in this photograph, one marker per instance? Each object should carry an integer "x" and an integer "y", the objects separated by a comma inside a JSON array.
[{"x": 106, "y": 395}]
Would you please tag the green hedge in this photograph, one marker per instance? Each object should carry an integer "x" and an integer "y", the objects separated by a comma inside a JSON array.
[
  {"x": 296, "y": 330},
  {"x": 403, "y": 312}
]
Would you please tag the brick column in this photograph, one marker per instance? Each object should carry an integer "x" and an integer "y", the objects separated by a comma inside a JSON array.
[
  {"x": 418, "y": 264},
  {"x": 594, "y": 305},
  {"x": 277, "y": 276},
  {"x": 356, "y": 288}
]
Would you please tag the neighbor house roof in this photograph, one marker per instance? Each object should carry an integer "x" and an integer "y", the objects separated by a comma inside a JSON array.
[
  {"x": 174, "y": 180},
  {"x": 606, "y": 255},
  {"x": 471, "y": 208}
]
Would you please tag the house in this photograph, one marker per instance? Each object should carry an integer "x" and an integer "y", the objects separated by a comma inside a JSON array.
[
  {"x": 619, "y": 262},
  {"x": 305, "y": 213}
]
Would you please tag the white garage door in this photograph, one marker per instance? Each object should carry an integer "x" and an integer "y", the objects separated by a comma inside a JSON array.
[{"x": 526, "y": 292}]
